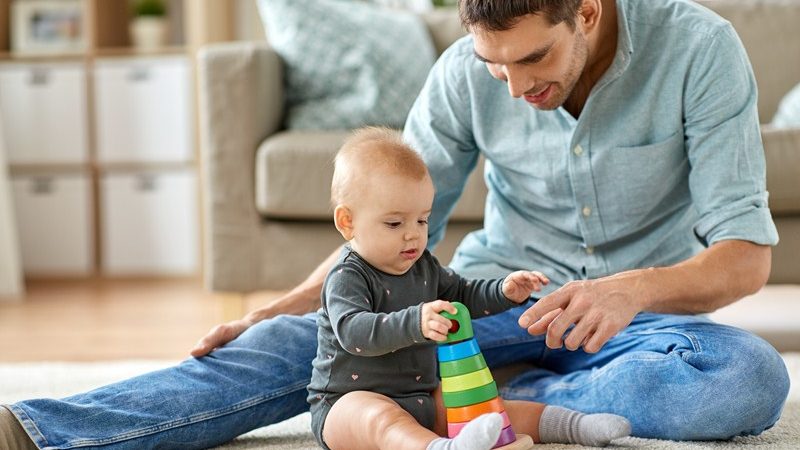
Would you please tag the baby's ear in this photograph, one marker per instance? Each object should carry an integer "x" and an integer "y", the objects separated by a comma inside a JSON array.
[{"x": 343, "y": 219}]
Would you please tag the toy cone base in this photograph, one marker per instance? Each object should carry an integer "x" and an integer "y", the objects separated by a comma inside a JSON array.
[{"x": 523, "y": 442}]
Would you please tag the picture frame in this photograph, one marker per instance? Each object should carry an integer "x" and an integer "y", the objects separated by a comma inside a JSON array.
[{"x": 47, "y": 27}]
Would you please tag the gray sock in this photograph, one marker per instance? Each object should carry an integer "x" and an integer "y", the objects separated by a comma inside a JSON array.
[
  {"x": 12, "y": 436},
  {"x": 480, "y": 434},
  {"x": 564, "y": 426}
]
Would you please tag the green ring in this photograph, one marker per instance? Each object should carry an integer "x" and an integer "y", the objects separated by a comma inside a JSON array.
[
  {"x": 467, "y": 381},
  {"x": 462, "y": 366},
  {"x": 470, "y": 396}
]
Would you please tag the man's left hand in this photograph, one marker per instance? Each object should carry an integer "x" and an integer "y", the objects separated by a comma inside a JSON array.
[{"x": 598, "y": 308}]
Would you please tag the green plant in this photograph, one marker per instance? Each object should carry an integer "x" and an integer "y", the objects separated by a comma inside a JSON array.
[{"x": 149, "y": 8}]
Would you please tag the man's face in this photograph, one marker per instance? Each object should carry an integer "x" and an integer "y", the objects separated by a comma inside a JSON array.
[{"x": 539, "y": 62}]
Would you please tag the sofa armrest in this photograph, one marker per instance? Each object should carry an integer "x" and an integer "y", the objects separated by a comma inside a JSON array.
[
  {"x": 782, "y": 152},
  {"x": 241, "y": 102}
]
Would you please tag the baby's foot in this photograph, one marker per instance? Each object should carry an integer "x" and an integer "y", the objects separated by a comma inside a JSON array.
[{"x": 480, "y": 434}]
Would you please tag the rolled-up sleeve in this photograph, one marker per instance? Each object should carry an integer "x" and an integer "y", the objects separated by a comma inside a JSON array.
[
  {"x": 723, "y": 141},
  {"x": 439, "y": 128}
]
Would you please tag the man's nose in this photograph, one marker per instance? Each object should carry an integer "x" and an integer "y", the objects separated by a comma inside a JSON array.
[{"x": 518, "y": 82}]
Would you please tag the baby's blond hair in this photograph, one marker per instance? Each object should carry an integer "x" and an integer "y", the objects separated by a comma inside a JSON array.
[{"x": 370, "y": 151}]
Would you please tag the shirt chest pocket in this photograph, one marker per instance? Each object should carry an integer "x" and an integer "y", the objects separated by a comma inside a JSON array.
[{"x": 637, "y": 185}]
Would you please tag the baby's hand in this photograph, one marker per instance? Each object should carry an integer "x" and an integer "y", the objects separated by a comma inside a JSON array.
[
  {"x": 435, "y": 326},
  {"x": 519, "y": 285}
]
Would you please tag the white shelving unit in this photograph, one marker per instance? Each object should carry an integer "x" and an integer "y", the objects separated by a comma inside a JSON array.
[
  {"x": 144, "y": 110},
  {"x": 44, "y": 112},
  {"x": 102, "y": 149},
  {"x": 148, "y": 222},
  {"x": 54, "y": 222}
]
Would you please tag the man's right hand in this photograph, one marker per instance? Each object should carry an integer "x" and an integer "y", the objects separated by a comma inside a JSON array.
[
  {"x": 220, "y": 335},
  {"x": 302, "y": 299},
  {"x": 297, "y": 302}
]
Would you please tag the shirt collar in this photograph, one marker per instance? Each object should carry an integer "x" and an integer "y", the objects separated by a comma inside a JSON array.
[{"x": 622, "y": 57}]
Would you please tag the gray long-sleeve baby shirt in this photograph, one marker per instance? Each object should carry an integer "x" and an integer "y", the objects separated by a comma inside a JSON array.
[{"x": 370, "y": 335}]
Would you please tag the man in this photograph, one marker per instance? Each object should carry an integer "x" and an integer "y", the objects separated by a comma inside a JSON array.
[{"x": 625, "y": 164}]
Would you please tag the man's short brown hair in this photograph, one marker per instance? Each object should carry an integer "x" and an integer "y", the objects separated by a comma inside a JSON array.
[{"x": 501, "y": 15}]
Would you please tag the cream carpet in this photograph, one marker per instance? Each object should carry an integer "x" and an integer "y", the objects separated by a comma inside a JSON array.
[{"x": 28, "y": 380}]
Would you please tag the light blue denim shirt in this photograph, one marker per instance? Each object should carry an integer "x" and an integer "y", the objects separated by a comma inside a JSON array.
[{"x": 665, "y": 159}]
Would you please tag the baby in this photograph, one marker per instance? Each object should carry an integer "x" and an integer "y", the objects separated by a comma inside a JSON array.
[{"x": 374, "y": 382}]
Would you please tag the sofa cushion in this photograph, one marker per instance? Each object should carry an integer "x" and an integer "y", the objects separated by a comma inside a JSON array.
[
  {"x": 348, "y": 63},
  {"x": 788, "y": 114},
  {"x": 294, "y": 170},
  {"x": 444, "y": 27}
]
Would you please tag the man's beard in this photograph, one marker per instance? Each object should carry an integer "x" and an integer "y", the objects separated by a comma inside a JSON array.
[{"x": 577, "y": 66}]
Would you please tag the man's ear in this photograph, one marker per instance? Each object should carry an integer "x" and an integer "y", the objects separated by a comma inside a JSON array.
[
  {"x": 589, "y": 13},
  {"x": 343, "y": 219}
]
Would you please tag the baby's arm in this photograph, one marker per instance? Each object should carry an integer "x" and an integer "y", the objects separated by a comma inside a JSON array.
[
  {"x": 485, "y": 297},
  {"x": 359, "y": 330}
]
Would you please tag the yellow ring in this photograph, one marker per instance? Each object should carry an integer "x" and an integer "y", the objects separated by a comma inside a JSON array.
[{"x": 468, "y": 381}]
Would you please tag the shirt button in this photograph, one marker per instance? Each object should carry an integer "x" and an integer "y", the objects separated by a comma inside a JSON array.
[
  {"x": 589, "y": 250},
  {"x": 586, "y": 211},
  {"x": 578, "y": 150}
]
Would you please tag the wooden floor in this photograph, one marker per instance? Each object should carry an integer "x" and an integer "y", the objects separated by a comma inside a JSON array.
[{"x": 107, "y": 320}]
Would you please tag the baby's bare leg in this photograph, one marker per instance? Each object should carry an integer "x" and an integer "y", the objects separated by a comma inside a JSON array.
[
  {"x": 525, "y": 417},
  {"x": 366, "y": 420}
]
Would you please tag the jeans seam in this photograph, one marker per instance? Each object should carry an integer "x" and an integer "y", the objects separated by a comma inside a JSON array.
[
  {"x": 28, "y": 425},
  {"x": 696, "y": 347},
  {"x": 189, "y": 421}
]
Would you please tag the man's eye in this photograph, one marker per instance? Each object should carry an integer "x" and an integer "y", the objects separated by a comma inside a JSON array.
[
  {"x": 532, "y": 62},
  {"x": 392, "y": 224}
]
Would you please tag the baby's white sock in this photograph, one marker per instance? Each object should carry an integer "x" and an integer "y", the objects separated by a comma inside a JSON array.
[{"x": 480, "y": 434}]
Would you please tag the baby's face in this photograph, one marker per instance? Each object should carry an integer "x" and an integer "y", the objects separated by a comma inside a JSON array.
[{"x": 390, "y": 221}]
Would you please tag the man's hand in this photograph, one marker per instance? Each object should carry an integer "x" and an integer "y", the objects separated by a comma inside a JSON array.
[
  {"x": 297, "y": 302},
  {"x": 518, "y": 286},
  {"x": 434, "y": 325},
  {"x": 219, "y": 336},
  {"x": 599, "y": 309}
]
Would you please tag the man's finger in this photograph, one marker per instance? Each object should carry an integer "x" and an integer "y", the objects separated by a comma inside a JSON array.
[
  {"x": 578, "y": 335},
  {"x": 601, "y": 336},
  {"x": 557, "y": 329},
  {"x": 555, "y": 300},
  {"x": 540, "y": 326},
  {"x": 202, "y": 348}
]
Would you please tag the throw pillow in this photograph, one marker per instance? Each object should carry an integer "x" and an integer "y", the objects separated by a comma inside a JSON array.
[
  {"x": 348, "y": 64},
  {"x": 788, "y": 114}
]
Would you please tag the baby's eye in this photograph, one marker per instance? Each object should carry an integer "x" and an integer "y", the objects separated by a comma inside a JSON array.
[
  {"x": 392, "y": 224},
  {"x": 423, "y": 221}
]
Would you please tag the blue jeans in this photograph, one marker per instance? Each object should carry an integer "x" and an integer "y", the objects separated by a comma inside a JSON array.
[{"x": 674, "y": 377}]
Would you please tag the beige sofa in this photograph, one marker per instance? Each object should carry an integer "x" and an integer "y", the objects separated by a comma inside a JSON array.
[{"x": 266, "y": 189}]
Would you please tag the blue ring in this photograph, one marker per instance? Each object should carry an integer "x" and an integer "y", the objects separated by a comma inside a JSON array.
[{"x": 458, "y": 351}]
